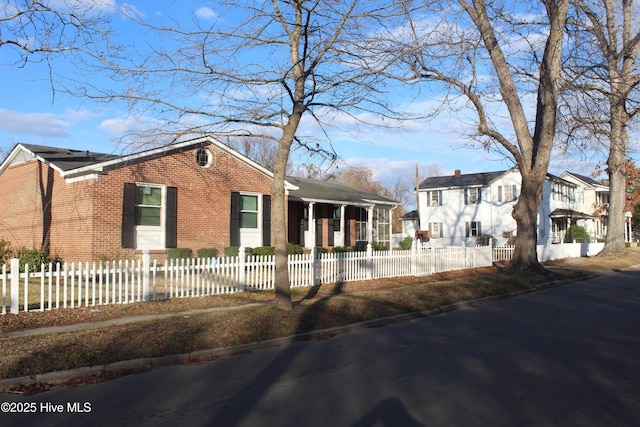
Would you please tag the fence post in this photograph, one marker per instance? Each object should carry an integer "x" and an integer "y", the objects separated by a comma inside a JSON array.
[
  {"x": 15, "y": 285},
  {"x": 146, "y": 273},
  {"x": 414, "y": 257},
  {"x": 242, "y": 260},
  {"x": 313, "y": 270},
  {"x": 369, "y": 261}
]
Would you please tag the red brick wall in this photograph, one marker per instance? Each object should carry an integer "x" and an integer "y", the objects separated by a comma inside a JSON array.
[
  {"x": 21, "y": 206},
  {"x": 87, "y": 215}
]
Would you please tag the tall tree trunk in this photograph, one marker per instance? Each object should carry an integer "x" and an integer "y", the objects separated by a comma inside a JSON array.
[
  {"x": 525, "y": 212},
  {"x": 279, "y": 215},
  {"x": 279, "y": 227},
  {"x": 614, "y": 240}
]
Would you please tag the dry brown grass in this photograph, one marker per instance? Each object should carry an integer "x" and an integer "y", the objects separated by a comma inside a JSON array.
[
  {"x": 605, "y": 263},
  {"x": 315, "y": 309}
]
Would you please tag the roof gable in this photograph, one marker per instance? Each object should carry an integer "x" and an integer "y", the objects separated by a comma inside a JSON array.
[
  {"x": 78, "y": 163},
  {"x": 585, "y": 179}
]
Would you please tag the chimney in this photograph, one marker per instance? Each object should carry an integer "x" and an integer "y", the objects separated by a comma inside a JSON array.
[{"x": 457, "y": 173}]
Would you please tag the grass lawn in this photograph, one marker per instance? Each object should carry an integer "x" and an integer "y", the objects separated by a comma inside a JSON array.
[{"x": 314, "y": 309}]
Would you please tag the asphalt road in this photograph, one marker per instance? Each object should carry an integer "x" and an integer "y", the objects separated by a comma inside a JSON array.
[{"x": 565, "y": 356}]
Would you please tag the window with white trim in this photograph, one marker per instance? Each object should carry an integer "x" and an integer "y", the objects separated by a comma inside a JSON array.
[
  {"x": 361, "y": 224},
  {"x": 435, "y": 230},
  {"x": 249, "y": 211},
  {"x": 473, "y": 229},
  {"x": 148, "y": 205},
  {"x": 382, "y": 223},
  {"x": 472, "y": 196},
  {"x": 204, "y": 157},
  {"x": 434, "y": 198},
  {"x": 507, "y": 193}
]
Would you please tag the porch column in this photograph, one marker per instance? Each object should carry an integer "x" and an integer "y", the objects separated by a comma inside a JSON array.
[
  {"x": 391, "y": 227},
  {"x": 312, "y": 226},
  {"x": 370, "y": 224},
  {"x": 342, "y": 230}
]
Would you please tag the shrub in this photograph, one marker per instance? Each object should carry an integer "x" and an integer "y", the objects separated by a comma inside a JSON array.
[
  {"x": 360, "y": 247},
  {"x": 179, "y": 253},
  {"x": 293, "y": 249},
  {"x": 5, "y": 251},
  {"x": 484, "y": 240},
  {"x": 234, "y": 250},
  {"x": 321, "y": 250},
  {"x": 379, "y": 247},
  {"x": 263, "y": 251},
  {"x": 207, "y": 253},
  {"x": 341, "y": 249},
  {"x": 406, "y": 243},
  {"x": 577, "y": 233},
  {"x": 231, "y": 251},
  {"x": 34, "y": 258}
]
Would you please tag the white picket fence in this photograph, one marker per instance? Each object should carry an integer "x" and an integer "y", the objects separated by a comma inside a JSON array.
[
  {"x": 98, "y": 283},
  {"x": 550, "y": 251}
]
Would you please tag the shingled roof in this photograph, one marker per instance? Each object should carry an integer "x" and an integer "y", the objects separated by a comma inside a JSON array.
[
  {"x": 67, "y": 159},
  {"x": 325, "y": 191},
  {"x": 466, "y": 180},
  {"x": 587, "y": 180}
]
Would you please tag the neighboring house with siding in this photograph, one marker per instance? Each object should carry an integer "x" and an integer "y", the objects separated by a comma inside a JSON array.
[
  {"x": 467, "y": 208},
  {"x": 193, "y": 194},
  {"x": 592, "y": 197}
]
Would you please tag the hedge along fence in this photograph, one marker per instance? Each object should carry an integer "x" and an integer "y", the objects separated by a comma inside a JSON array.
[{"x": 127, "y": 281}]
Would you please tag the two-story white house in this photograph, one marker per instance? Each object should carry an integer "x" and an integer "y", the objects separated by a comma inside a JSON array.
[
  {"x": 591, "y": 197},
  {"x": 469, "y": 208}
]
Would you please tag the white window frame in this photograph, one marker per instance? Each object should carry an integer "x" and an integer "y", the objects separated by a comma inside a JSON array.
[
  {"x": 251, "y": 237},
  {"x": 472, "y": 195},
  {"x": 431, "y": 198},
  {"x": 507, "y": 193},
  {"x": 151, "y": 236},
  {"x": 435, "y": 230},
  {"x": 382, "y": 221},
  {"x": 362, "y": 225},
  {"x": 473, "y": 228}
]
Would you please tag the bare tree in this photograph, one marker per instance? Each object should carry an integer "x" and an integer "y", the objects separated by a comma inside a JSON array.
[
  {"x": 256, "y": 73},
  {"x": 362, "y": 178},
  {"x": 40, "y": 31},
  {"x": 496, "y": 59},
  {"x": 603, "y": 93},
  {"x": 261, "y": 150}
]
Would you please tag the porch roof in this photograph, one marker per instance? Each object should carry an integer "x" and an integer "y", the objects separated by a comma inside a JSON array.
[
  {"x": 569, "y": 213},
  {"x": 314, "y": 190}
]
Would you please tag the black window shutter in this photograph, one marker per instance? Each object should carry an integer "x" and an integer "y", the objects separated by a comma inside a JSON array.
[
  {"x": 319, "y": 231},
  {"x": 171, "y": 218},
  {"x": 234, "y": 224},
  {"x": 266, "y": 220},
  {"x": 128, "y": 216}
]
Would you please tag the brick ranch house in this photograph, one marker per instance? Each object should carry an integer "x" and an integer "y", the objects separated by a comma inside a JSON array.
[{"x": 192, "y": 194}]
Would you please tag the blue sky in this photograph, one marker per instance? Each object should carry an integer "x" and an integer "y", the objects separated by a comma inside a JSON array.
[{"x": 31, "y": 112}]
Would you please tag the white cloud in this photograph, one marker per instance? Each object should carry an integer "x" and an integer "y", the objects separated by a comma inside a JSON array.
[
  {"x": 85, "y": 5},
  {"x": 129, "y": 125},
  {"x": 205, "y": 13},
  {"x": 130, "y": 11},
  {"x": 39, "y": 124}
]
